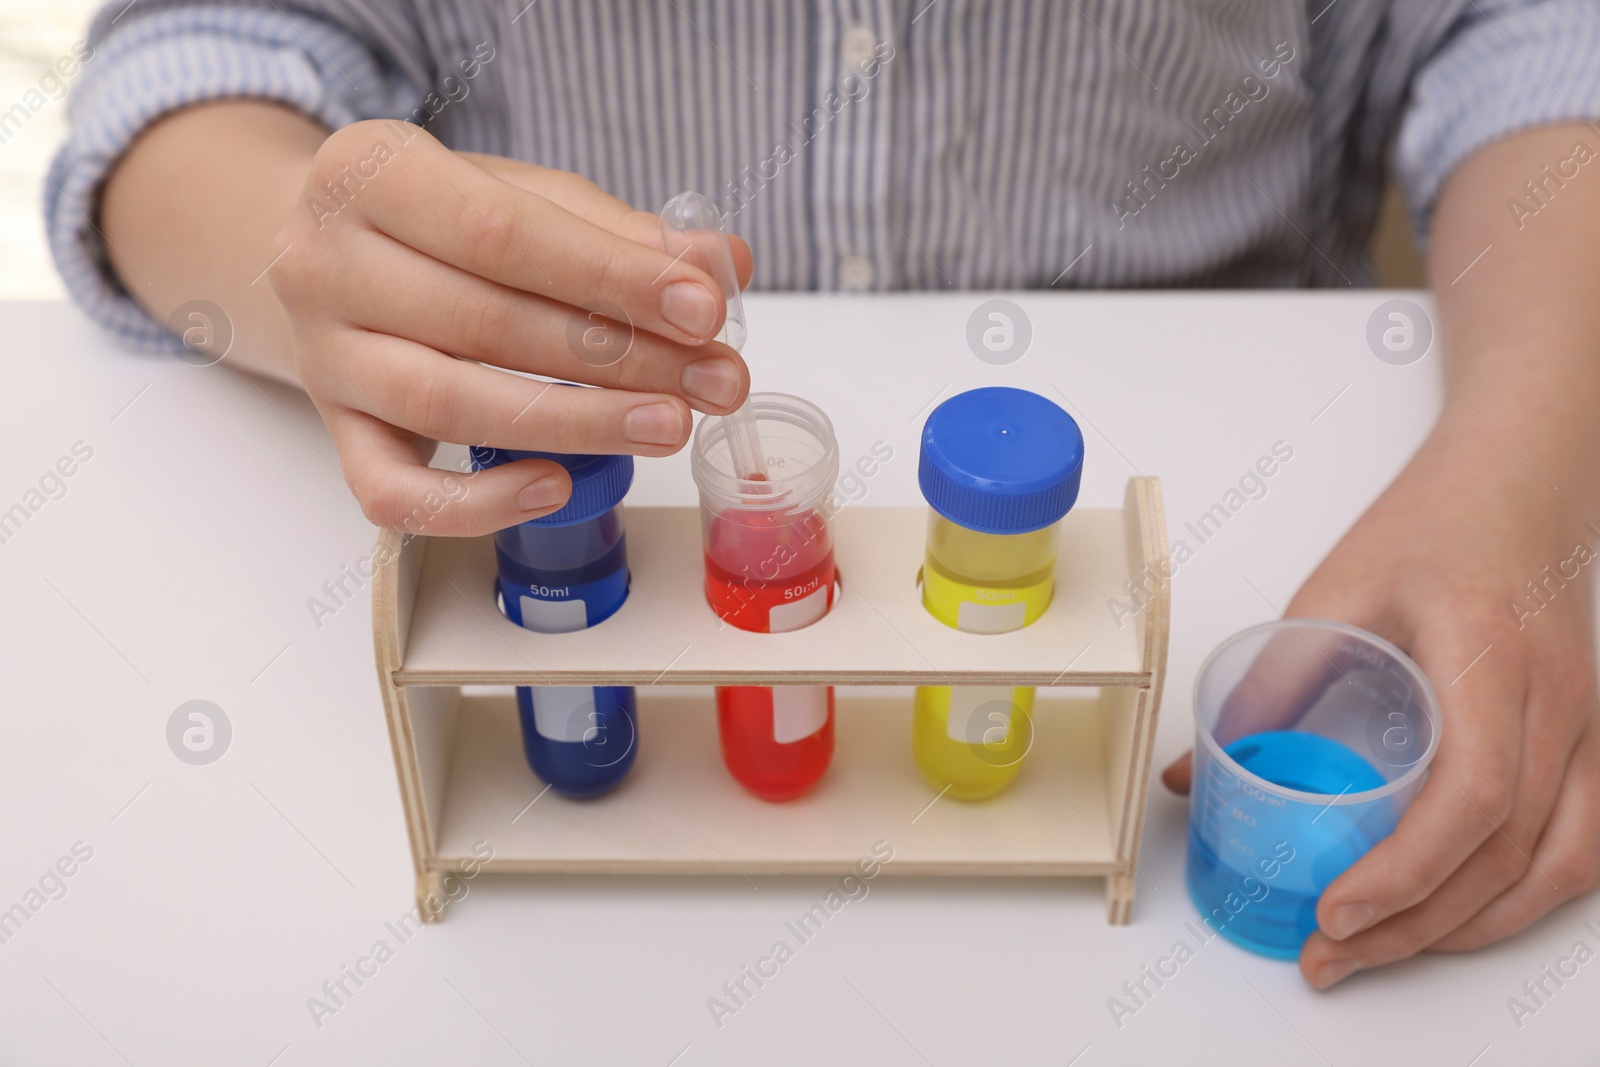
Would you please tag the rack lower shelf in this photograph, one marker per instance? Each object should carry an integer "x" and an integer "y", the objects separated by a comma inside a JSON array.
[{"x": 679, "y": 811}]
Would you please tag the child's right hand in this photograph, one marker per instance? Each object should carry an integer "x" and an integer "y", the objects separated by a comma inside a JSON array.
[{"x": 408, "y": 267}]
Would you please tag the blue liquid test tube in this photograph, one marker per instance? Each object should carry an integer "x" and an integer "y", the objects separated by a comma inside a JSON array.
[{"x": 562, "y": 572}]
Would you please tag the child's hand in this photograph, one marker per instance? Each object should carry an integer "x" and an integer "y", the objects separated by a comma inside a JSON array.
[
  {"x": 1508, "y": 824},
  {"x": 408, "y": 266}
]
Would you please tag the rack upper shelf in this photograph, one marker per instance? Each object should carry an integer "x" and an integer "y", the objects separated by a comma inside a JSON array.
[{"x": 450, "y": 632}]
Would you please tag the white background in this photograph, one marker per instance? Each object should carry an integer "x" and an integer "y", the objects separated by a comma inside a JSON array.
[{"x": 33, "y": 35}]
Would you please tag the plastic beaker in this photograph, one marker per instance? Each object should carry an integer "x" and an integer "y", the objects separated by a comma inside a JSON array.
[{"x": 1313, "y": 737}]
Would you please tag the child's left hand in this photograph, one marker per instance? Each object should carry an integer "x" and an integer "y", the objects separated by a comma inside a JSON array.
[{"x": 1508, "y": 824}]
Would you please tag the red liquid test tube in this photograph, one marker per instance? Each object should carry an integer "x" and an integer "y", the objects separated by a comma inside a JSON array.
[{"x": 769, "y": 569}]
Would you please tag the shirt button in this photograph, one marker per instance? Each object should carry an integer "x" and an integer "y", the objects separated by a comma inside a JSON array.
[
  {"x": 855, "y": 272},
  {"x": 858, "y": 47}
]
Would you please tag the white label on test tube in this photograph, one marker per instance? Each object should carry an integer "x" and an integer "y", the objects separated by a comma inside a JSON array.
[
  {"x": 798, "y": 711},
  {"x": 980, "y": 714},
  {"x": 800, "y": 613},
  {"x": 563, "y": 712},
  {"x": 554, "y": 616},
  {"x": 975, "y": 618}
]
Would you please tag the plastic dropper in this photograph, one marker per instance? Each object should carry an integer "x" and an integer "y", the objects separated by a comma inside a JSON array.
[{"x": 691, "y": 230}]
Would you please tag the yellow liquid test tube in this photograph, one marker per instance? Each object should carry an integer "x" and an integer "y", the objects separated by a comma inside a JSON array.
[{"x": 1000, "y": 468}]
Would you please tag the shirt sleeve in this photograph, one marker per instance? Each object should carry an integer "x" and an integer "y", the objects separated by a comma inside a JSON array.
[
  {"x": 140, "y": 65},
  {"x": 1506, "y": 66}
]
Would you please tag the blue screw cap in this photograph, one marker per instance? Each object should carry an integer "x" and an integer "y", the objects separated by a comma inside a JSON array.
[
  {"x": 598, "y": 482},
  {"x": 1000, "y": 461}
]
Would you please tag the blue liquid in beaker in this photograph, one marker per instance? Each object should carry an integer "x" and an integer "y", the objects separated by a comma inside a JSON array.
[{"x": 1264, "y": 898}]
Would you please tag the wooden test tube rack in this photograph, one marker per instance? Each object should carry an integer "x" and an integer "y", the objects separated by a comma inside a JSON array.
[{"x": 1076, "y": 808}]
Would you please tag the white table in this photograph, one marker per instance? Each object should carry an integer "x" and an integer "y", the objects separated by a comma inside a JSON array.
[{"x": 219, "y": 898}]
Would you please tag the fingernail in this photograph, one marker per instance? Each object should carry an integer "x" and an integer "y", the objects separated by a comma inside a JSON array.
[
  {"x": 542, "y": 493},
  {"x": 690, "y": 308},
  {"x": 653, "y": 424},
  {"x": 713, "y": 381},
  {"x": 1336, "y": 972},
  {"x": 1348, "y": 919}
]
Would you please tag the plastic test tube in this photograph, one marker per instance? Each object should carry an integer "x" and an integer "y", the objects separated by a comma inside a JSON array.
[
  {"x": 769, "y": 569},
  {"x": 1000, "y": 468},
  {"x": 563, "y": 572}
]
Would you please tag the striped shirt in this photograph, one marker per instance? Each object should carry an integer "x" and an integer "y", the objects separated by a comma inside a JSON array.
[{"x": 892, "y": 144}]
